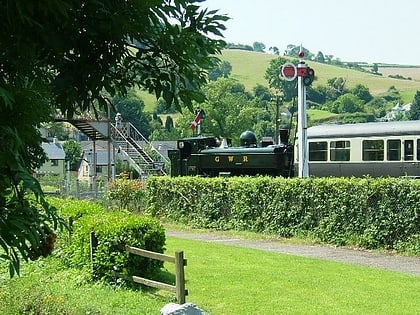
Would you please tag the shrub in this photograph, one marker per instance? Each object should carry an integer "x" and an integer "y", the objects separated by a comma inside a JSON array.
[
  {"x": 127, "y": 193},
  {"x": 113, "y": 230},
  {"x": 367, "y": 212}
]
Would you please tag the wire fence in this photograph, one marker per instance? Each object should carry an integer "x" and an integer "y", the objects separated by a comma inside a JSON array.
[{"x": 70, "y": 186}]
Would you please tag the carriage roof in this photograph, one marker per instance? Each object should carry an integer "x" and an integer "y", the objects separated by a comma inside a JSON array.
[{"x": 392, "y": 128}]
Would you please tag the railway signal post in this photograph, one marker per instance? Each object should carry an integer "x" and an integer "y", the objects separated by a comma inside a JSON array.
[
  {"x": 305, "y": 76},
  {"x": 302, "y": 120}
]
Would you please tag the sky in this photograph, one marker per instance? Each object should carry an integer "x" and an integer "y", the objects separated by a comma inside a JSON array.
[{"x": 373, "y": 31}]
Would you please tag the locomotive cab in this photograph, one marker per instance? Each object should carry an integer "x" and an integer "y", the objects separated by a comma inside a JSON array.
[{"x": 184, "y": 160}]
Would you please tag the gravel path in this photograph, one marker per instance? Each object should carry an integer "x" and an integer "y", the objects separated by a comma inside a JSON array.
[{"x": 410, "y": 265}]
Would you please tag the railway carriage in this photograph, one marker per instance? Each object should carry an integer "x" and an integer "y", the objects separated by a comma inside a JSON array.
[{"x": 374, "y": 149}]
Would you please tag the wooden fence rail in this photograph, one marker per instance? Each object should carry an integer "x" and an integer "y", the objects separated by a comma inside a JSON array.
[{"x": 178, "y": 260}]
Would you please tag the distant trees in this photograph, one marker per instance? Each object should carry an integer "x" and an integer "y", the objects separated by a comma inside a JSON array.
[
  {"x": 258, "y": 46},
  {"x": 415, "y": 107},
  {"x": 274, "y": 50},
  {"x": 320, "y": 57},
  {"x": 220, "y": 70}
]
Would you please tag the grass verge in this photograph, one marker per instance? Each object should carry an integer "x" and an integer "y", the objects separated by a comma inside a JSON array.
[{"x": 222, "y": 280}]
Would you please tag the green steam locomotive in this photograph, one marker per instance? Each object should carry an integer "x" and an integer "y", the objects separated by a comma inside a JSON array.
[{"x": 209, "y": 156}]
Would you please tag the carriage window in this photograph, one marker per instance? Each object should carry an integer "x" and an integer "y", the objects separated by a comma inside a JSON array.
[
  {"x": 393, "y": 150},
  {"x": 408, "y": 150},
  {"x": 318, "y": 151},
  {"x": 373, "y": 150},
  {"x": 340, "y": 150},
  {"x": 418, "y": 149}
]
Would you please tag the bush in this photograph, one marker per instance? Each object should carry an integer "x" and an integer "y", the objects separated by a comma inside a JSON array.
[
  {"x": 113, "y": 230},
  {"x": 367, "y": 212},
  {"x": 127, "y": 193}
]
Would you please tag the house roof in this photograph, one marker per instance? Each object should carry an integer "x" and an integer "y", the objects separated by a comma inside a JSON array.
[
  {"x": 101, "y": 156},
  {"x": 54, "y": 150}
]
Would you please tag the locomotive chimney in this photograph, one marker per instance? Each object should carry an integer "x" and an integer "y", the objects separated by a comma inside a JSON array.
[{"x": 284, "y": 135}]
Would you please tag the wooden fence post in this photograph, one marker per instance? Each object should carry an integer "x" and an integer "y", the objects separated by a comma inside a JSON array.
[
  {"x": 93, "y": 244},
  {"x": 180, "y": 277}
]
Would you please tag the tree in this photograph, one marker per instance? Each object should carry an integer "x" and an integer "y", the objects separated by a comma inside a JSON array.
[
  {"x": 362, "y": 92},
  {"x": 131, "y": 108},
  {"x": 73, "y": 152},
  {"x": 221, "y": 70},
  {"x": 414, "y": 113},
  {"x": 274, "y": 50},
  {"x": 288, "y": 89},
  {"x": 77, "y": 55},
  {"x": 335, "y": 88},
  {"x": 258, "y": 46},
  {"x": 347, "y": 103},
  {"x": 320, "y": 57}
]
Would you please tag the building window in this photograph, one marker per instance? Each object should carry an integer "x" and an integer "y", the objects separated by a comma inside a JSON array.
[
  {"x": 54, "y": 162},
  {"x": 318, "y": 151},
  {"x": 393, "y": 150},
  {"x": 373, "y": 150},
  {"x": 340, "y": 150}
]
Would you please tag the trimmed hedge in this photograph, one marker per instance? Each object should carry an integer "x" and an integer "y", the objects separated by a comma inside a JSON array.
[
  {"x": 113, "y": 231},
  {"x": 369, "y": 212}
]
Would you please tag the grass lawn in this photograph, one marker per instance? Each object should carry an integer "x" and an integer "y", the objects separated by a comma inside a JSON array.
[
  {"x": 231, "y": 280},
  {"x": 222, "y": 280}
]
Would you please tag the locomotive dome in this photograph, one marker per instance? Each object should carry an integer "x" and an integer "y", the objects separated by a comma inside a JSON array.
[{"x": 248, "y": 139}]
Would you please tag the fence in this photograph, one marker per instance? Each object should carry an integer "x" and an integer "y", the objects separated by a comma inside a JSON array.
[{"x": 178, "y": 260}]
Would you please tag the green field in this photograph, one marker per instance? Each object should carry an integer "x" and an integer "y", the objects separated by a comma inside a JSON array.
[{"x": 249, "y": 68}]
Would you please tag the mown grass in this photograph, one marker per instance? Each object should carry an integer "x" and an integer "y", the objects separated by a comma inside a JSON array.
[
  {"x": 222, "y": 280},
  {"x": 232, "y": 280}
]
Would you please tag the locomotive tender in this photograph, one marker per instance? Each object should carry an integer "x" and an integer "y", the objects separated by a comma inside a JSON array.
[{"x": 208, "y": 156}]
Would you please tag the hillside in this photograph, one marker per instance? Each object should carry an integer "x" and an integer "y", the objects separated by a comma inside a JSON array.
[{"x": 249, "y": 68}]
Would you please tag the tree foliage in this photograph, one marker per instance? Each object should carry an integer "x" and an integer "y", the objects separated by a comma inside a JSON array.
[
  {"x": 415, "y": 107},
  {"x": 131, "y": 109},
  {"x": 73, "y": 151},
  {"x": 220, "y": 70},
  {"x": 70, "y": 56}
]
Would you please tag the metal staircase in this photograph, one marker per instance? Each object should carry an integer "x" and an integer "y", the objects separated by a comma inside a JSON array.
[
  {"x": 142, "y": 156},
  {"x": 138, "y": 151}
]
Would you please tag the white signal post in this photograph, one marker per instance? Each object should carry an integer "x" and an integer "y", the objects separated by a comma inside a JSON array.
[{"x": 302, "y": 120}]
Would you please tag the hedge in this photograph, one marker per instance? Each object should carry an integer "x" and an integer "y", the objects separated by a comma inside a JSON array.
[
  {"x": 368, "y": 212},
  {"x": 113, "y": 230}
]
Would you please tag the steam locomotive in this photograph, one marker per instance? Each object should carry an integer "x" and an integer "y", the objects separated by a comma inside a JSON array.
[{"x": 208, "y": 156}]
